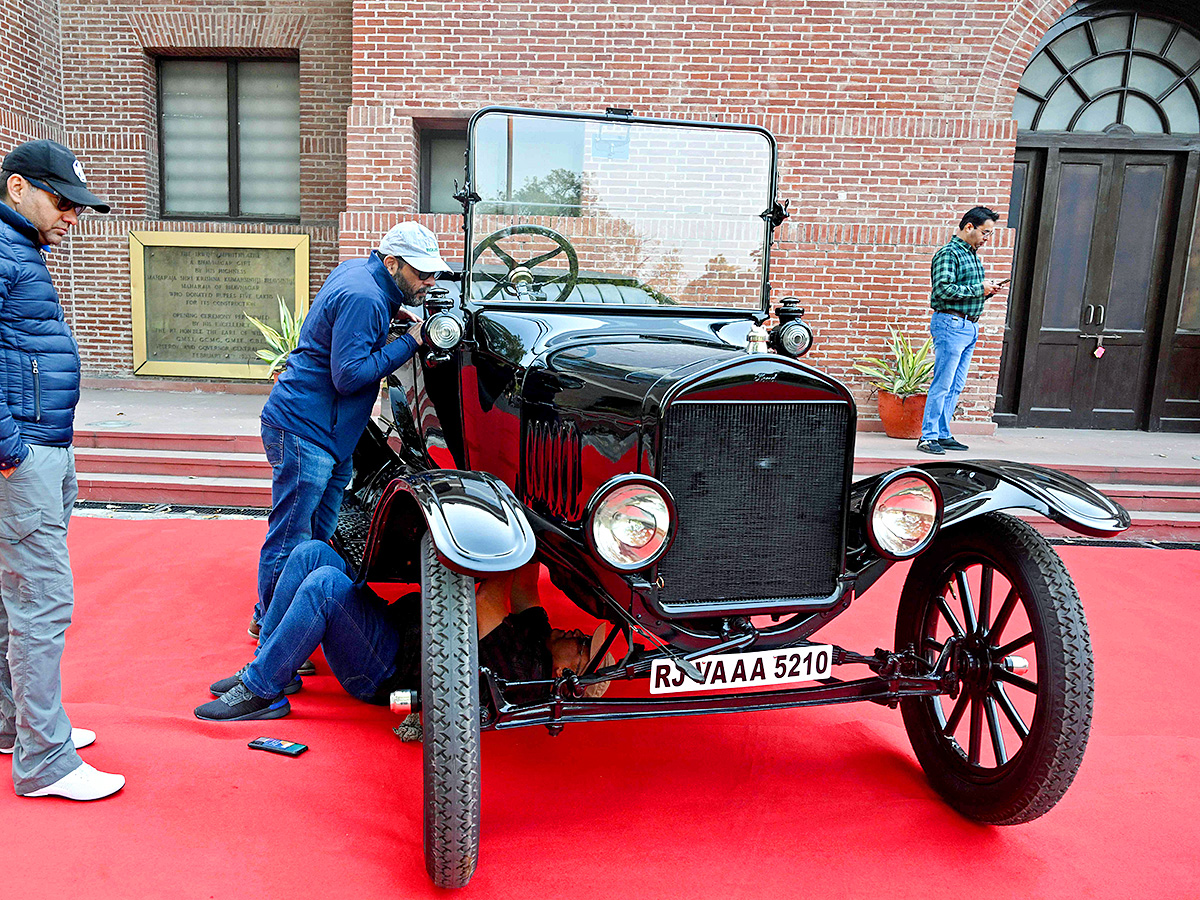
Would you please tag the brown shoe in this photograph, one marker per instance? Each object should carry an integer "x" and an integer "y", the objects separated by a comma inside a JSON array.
[{"x": 254, "y": 628}]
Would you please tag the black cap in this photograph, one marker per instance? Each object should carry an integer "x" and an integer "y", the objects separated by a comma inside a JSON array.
[{"x": 57, "y": 167}]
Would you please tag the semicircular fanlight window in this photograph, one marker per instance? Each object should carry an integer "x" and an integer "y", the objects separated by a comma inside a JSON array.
[{"x": 1114, "y": 72}]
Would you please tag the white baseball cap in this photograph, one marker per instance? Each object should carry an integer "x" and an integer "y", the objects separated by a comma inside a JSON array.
[{"x": 416, "y": 245}]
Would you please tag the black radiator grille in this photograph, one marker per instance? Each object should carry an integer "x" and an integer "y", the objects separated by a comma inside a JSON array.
[{"x": 759, "y": 490}]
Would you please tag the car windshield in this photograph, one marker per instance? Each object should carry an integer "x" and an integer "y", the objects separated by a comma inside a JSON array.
[{"x": 618, "y": 212}]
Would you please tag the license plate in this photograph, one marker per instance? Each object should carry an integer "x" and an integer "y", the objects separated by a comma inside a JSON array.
[{"x": 725, "y": 671}]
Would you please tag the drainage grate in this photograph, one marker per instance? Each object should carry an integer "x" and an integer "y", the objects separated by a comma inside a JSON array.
[{"x": 1112, "y": 542}]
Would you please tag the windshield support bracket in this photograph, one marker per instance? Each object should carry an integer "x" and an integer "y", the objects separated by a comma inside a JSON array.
[
  {"x": 776, "y": 214},
  {"x": 465, "y": 196}
]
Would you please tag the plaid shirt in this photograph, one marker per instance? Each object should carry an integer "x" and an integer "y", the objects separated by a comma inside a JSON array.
[{"x": 957, "y": 276}]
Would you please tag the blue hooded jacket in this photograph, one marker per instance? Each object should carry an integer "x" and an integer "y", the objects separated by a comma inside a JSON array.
[
  {"x": 326, "y": 392},
  {"x": 39, "y": 360}
]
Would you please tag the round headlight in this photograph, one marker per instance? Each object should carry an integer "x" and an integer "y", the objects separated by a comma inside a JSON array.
[
  {"x": 630, "y": 522},
  {"x": 903, "y": 516},
  {"x": 795, "y": 338},
  {"x": 443, "y": 330}
]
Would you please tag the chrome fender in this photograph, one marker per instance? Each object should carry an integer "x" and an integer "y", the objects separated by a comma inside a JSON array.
[
  {"x": 478, "y": 526},
  {"x": 979, "y": 486}
]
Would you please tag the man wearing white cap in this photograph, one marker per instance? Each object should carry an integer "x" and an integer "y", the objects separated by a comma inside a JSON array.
[{"x": 321, "y": 403}]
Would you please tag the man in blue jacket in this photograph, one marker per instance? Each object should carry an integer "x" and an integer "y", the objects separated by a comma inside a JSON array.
[
  {"x": 42, "y": 193},
  {"x": 320, "y": 405}
]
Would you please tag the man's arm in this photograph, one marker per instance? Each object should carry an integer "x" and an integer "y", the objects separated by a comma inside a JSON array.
[
  {"x": 358, "y": 327},
  {"x": 944, "y": 272},
  {"x": 12, "y": 449}
]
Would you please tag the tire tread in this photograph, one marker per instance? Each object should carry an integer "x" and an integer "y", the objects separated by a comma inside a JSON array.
[{"x": 450, "y": 713}]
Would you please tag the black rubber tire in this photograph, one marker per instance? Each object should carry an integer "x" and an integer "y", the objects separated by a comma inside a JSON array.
[
  {"x": 450, "y": 717},
  {"x": 1019, "y": 786}
]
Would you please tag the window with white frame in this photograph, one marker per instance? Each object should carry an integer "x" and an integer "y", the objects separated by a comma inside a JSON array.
[{"x": 229, "y": 138}]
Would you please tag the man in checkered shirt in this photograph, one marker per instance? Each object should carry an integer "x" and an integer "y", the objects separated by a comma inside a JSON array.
[{"x": 959, "y": 292}]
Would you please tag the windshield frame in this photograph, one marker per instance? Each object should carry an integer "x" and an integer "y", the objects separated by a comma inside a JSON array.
[{"x": 471, "y": 198}]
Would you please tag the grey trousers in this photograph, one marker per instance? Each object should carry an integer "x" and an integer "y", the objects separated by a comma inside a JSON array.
[{"x": 36, "y": 598}]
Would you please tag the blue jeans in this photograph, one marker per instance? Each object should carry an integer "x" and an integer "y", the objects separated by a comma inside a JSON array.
[
  {"x": 306, "y": 494},
  {"x": 953, "y": 344},
  {"x": 316, "y": 603}
]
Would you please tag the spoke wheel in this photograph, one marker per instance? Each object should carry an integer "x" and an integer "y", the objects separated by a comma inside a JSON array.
[
  {"x": 450, "y": 719},
  {"x": 1008, "y": 746},
  {"x": 566, "y": 278}
]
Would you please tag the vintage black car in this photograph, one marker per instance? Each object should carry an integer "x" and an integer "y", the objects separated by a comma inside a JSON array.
[{"x": 600, "y": 392}]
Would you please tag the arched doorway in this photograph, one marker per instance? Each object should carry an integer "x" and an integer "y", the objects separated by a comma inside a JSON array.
[{"x": 1103, "y": 325}]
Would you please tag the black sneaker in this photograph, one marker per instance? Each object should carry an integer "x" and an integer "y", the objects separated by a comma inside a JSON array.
[
  {"x": 934, "y": 447},
  {"x": 217, "y": 688},
  {"x": 951, "y": 444},
  {"x": 308, "y": 667},
  {"x": 239, "y": 703}
]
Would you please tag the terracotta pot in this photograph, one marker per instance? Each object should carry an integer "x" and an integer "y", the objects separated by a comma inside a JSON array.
[{"x": 901, "y": 417}]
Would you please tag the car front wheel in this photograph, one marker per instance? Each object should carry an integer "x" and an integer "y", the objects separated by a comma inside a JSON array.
[
  {"x": 995, "y": 593},
  {"x": 450, "y": 718}
]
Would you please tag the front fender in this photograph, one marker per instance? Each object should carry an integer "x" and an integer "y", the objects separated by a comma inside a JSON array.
[
  {"x": 477, "y": 524},
  {"x": 979, "y": 486}
]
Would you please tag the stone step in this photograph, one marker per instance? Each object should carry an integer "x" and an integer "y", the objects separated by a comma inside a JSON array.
[
  {"x": 179, "y": 463},
  {"x": 231, "y": 470},
  {"x": 169, "y": 441},
  {"x": 194, "y": 490},
  {"x": 1184, "y": 498},
  {"x": 1147, "y": 525}
]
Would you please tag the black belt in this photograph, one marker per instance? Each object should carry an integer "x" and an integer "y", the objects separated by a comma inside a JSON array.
[{"x": 950, "y": 312}]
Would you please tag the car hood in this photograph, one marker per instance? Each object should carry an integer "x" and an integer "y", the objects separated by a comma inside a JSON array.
[{"x": 635, "y": 379}]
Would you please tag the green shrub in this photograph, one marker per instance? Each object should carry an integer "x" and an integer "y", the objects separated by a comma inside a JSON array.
[
  {"x": 905, "y": 373},
  {"x": 280, "y": 343}
]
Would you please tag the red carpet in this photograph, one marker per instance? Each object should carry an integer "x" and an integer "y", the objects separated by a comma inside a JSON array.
[{"x": 820, "y": 802}]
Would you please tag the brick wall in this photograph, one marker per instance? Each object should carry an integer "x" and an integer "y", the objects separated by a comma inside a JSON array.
[
  {"x": 892, "y": 116},
  {"x": 30, "y": 92},
  {"x": 107, "y": 90}
]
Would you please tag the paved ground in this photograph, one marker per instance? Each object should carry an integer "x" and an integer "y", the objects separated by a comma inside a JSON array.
[
  {"x": 174, "y": 412},
  {"x": 195, "y": 412}
]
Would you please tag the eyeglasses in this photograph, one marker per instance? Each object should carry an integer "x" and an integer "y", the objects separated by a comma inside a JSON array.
[
  {"x": 63, "y": 204},
  {"x": 423, "y": 276}
]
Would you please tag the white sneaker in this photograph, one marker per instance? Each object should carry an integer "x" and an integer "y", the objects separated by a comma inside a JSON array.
[
  {"x": 84, "y": 783},
  {"x": 80, "y": 737}
]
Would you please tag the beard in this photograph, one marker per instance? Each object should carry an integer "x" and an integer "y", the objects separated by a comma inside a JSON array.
[{"x": 410, "y": 298}]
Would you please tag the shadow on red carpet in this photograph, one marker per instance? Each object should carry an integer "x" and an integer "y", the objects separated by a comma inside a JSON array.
[{"x": 820, "y": 802}]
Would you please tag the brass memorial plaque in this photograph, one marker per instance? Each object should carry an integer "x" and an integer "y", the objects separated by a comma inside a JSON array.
[{"x": 192, "y": 293}]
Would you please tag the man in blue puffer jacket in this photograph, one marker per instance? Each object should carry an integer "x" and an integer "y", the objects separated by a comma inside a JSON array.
[
  {"x": 42, "y": 194},
  {"x": 320, "y": 405}
]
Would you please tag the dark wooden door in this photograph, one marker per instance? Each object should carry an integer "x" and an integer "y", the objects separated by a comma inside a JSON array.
[{"x": 1101, "y": 270}]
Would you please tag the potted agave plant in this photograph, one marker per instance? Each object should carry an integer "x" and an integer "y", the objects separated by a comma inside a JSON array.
[
  {"x": 281, "y": 342},
  {"x": 902, "y": 381}
]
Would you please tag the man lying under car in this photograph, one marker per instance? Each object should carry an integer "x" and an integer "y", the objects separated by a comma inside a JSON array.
[{"x": 373, "y": 648}]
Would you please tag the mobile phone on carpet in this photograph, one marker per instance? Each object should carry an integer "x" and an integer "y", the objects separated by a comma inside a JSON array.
[{"x": 275, "y": 745}]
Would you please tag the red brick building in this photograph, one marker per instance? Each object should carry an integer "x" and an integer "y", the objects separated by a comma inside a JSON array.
[{"x": 892, "y": 118}]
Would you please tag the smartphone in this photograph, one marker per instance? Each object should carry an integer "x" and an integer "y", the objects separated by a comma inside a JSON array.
[
  {"x": 274, "y": 745},
  {"x": 1004, "y": 283}
]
